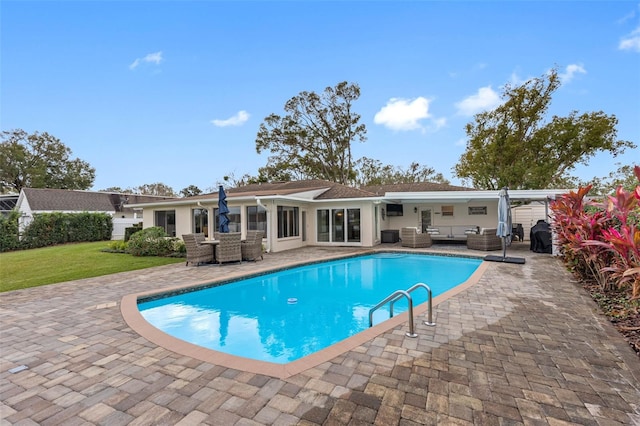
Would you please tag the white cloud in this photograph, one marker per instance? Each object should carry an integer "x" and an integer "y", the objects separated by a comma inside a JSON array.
[
  {"x": 403, "y": 114},
  {"x": 152, "y": 58},
  {"x": 631, "y": 41},
  {"x": 486, "y": 99},
  {"x": 570, "y": 72},
  {"x": 440, "y": 123},
  {"x": 240, "y": 118}
]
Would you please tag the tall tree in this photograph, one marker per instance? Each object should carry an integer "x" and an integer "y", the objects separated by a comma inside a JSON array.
[
  {"x": 624, "y": 176},
  {"x": 511, "y": 146},
  {"x": 40, "y": 160},
  {"x": 313, "y": 140},
  {"x": 116, "y": 189},
  {"x": 158, "y": 188},
  {"x": 190, "y": 191},
  {"x": 373, "y": 172}
]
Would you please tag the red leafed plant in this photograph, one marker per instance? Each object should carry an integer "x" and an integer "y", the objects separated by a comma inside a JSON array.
[
  {"x": 601, "y": 241},
  {"x": 576, "y": 221},
  {"x": 623, "y": 238}
]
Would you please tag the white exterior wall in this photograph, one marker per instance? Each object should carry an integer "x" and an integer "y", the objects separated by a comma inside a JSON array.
[
  {"x": 367, "y": 223},
  {"x": 461, "y": 216},
  {"x": 26, "y": 215}
]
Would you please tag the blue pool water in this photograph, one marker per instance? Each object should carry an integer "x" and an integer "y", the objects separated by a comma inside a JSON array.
[{"x": 286, "y": 315}]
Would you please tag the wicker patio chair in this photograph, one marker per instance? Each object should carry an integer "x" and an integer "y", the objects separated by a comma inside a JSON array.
[
  {"x": 412, "y": 238},
  {"x": 486, "y": 240},
  {"x": 196, "y": 251},
  {"x": 229, "y": 248},
  {"x": 251, "y": 247}
]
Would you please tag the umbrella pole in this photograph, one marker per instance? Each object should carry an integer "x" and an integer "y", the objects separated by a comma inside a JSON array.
[{"x": 504, "y": 247}]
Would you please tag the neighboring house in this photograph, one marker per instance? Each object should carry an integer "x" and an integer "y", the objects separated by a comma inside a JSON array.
[
  {"x": 320, "y": 213},
  {"x": 45, "y": 200}
]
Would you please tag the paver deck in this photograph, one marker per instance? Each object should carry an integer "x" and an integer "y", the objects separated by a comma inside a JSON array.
[{"x": 525, "y": 345}]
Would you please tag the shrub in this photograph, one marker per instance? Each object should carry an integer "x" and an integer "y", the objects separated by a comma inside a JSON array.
[
  {"x": 128, "y": 232},
  {"x": 150, "y": 242},
  {"x": 117, "y": 246},
  {"x": 179, "y": 246},
  {"x": 9, "y": 237}
]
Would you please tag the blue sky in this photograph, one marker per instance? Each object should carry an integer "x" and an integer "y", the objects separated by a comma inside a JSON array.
[{"x": 174, "y": 91}]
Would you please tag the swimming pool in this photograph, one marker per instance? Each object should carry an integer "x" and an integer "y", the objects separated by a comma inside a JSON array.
[{"x": 286, "y": 315}]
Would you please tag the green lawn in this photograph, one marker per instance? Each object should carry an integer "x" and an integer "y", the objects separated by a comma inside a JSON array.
[{"x": 32, "y": 268}]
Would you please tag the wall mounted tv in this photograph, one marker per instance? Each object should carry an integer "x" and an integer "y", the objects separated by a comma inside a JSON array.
[{"x": 394, "y": 210}]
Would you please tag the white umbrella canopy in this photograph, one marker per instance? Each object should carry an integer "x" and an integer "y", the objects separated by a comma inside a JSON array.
[{"x": 504, "y": 228}]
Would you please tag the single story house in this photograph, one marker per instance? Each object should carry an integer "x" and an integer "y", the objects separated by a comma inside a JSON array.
[
  {"x": 47, "y": 200},
  {"x": 321, "y": 213}
]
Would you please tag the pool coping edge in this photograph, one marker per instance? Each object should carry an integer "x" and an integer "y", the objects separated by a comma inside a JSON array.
[{"x": 134, "y": 319}]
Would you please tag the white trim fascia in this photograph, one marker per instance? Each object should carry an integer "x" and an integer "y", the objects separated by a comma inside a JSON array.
[
  {"x": 322, "y": 201},
  {"x": 209, "y": 201}
]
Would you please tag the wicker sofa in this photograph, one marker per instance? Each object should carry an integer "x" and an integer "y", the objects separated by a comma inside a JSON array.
[
  {"x": 486, "y": 240},
  {"x": 251, "y": 247},
  {"x": 196, "y": 251},
  {"x": 410, "y": 237},
  {"x": 229, "y": 248},
  {"x": 451, "y": 232}
]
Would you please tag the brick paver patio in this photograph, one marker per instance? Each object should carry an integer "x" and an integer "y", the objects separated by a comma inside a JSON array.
[{"x": 525, "y": 345}]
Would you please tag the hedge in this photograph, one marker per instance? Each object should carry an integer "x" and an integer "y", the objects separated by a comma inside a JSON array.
[
  {"x": 9, "y": 237},
  {"x": 47, "y": 229}
]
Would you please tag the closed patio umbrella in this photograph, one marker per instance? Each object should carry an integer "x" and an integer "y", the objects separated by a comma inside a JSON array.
[
  {"x": 223, "y": 211},
  {"x": 504, "y": 228}
]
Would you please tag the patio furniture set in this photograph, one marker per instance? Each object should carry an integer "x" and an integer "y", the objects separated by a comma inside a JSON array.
[
  {"x": 226, "y": 247},
  {"x": 476, "y": 239}
]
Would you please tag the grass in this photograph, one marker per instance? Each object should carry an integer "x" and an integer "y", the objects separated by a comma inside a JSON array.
[{"x": 33, "y": 268}]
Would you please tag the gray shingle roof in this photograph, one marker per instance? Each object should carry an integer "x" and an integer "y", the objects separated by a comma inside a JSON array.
[
  {"x": 333, "y": 190},
  {"x": 413, "y": 187},
  {"x": 48, "y": 199}
]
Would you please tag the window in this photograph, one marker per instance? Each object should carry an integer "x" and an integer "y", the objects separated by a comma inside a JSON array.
[
  {"x": 447, "y": 210},
  {"x": 323, "y": 226},
  {"x": 166, "y": 219},
  {"x": 477, "y": 210},
  {"x": 257, "y": 219},
  {"x": 338, "y": 225},
  {"x": 353, "y": 225},
  {"x": 234, "y": 219},
  {"x": 200, "y": 221},
  {"x": 288, "y": 222}
]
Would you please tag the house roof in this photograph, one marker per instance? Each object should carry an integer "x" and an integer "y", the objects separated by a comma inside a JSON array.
[
  {"x": 46, "y": 199},
  {"x": 413, "y": 187},
  {"x": 329, "y": 190},
  {"x": 321, "y": 190},
  {"x": 49, "y": 199}
]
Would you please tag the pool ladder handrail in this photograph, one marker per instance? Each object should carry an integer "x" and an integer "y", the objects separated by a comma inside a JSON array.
[
  {"x": 397, "y": 295},
  {"x": 429, "y": 320},
  {"x": 394, "y": 296}
]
